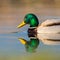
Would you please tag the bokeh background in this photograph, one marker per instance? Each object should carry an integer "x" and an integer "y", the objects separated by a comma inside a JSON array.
[{"x": 12, "y": 13}]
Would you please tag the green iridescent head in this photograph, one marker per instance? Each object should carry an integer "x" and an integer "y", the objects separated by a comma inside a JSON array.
[
  {"x": 30, "y": 19},
  {"x": 30, "y": 45}
]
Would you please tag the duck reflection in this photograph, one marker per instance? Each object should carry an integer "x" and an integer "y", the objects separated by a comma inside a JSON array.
[
  {"x": 30, "y": 45},
  {"x": 33, "y": 43},
  {"x": 49, "y": 39}
]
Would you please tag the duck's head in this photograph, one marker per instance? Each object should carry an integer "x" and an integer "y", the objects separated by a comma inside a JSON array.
[
  {"x": 30, "y": 19},
  {"x": 30, "y": 45}
]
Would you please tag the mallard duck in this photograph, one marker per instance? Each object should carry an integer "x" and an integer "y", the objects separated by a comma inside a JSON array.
[{"x": 48, "y": 26}]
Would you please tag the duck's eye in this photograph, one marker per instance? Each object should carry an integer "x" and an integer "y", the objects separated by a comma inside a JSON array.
[{"x": 25, "y": 16}]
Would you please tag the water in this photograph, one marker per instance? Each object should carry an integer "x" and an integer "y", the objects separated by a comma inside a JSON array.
[{"x": 11, "y": 48}]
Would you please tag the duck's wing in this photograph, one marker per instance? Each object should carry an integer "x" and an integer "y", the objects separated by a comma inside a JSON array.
[
  {"x": 50, "y": 22},
  {"x": 49, "y": 26}
]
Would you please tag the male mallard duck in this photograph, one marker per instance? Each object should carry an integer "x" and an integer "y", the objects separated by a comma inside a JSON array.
[{"x": 48, "y": 26}]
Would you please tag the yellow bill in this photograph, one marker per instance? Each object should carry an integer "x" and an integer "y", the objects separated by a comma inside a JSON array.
[
  {"x": 22, "y": 41},
  {"x": 21, "y": 25}
]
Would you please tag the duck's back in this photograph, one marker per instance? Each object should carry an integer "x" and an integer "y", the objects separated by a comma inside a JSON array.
[
  {"x": 49, "y": 26},
  {"x": 50, "y": 22}
]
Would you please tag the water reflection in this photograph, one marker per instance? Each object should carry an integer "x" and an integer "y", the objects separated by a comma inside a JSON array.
[
  {"x": 49, "y": 39},
  {"x": 32, "y": 44}
]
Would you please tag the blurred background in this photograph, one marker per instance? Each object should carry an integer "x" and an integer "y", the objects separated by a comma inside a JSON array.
[{"x": 12, "y": 13}]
